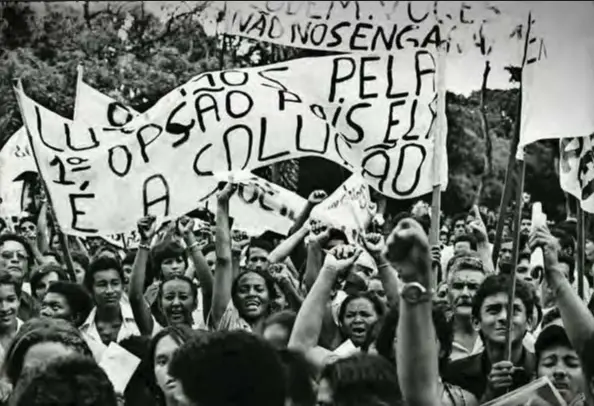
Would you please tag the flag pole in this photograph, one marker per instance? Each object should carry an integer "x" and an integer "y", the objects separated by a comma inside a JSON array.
[{"x": 580, "y": 248}]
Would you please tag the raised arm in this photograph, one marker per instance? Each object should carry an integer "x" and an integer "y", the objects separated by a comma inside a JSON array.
[
  {"x": 223, "y": 278},
  {"x": 376, "y": 246},
  {"x": 416, "y": 349},
  {"x": 318, "y": 237},
  {"x": 316, "y": 197},
  {"x": 185, "y": 227},
  {"x": 577, "y": 318},
  {"x": 479, "y": 231},
  {"x": 284, "y": 279},
  {"x": 140, "y": 308},
  {"x": 284, "y": 249},
  {"x": 308, "y": 324}
]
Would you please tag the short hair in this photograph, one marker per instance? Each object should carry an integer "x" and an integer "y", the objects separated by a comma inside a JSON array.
[
  {"x": 41, "y": 272},
  {"x": 494, "y": 284},
  {"x": 193, "y": 288},
  {"x": 466, "y": 238},
  {"x": 21, "y": 240},
  {"x": 298, "y": 377},
  {"x": 36, "y": 331},
  {"x": 208, "y": 248},
  {"x": 218, "y": 369},
  {"x": 459, "y": 217},
  {"x": 101, "y": 264},
  {"x": 384, "y": 343},
  {"x": 284, "y": 318},
  {"x": 363, "y": 379},
  {"x": 78, "y": 299},
  {"x": 9, "y": 280},
  {"x": 165, "y": 250},
  {"x": 27, "y": 219},
  {"x": 260, "y": 243},
  {"x": 71, "y": 380},
  {"x": 81, "y": 258},
  {"x": 523, "y": 256},
  {"x": 467, "y": 261}
]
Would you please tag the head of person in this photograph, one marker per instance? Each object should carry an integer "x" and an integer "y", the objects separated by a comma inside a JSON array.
[
  {"x": 557, "y": 360},
  {"x": 228, "y": 368},
  {"x": 358, "y": 316},
  {"x": 80, "y": 262},
  {"x": 299, "y": 379},
  {"x": 67, "y": 301},
  {"x": 253, "y": 293},
  {"x": 39, "y": 341},
  {"x": 444, "y": 238},
  {"x": 28, "y": 227},
  {"x": 55, "y": 243},
  {"x": 377, "y": 288},
  {"x": 589, "y": 249},
  {"x": 161, "y": 349},
  {"x": 440, "y": 298},
  {"x": 336, "y": 237},
  {"x": 178, "y": 298},
  {"x": 566, "y": 241},
  {"x": 257, "y": 254},
  {"x": 16, "y": 256},
  {"x": 384, "y": 342},
  {"x": 504, "y": 262},
  {"x": 459, "y": 222},
  {"x": 127, "y": 264},
  {"x": 464, "y": 244},
  {"x": 525, "y": 224},
  {"x": 69, "y": 380},
  {"x": 465, "y": 275},
  {"x": 52, "y": 257},
  {"x": 523, "y": 270},
  {"x": 10, "y": 299},
  {"x": 567, "y": 267},
  {"x": 489, "y": 309},
  {"x": 169, "y": 259},
  {"x": 210, "y": 255},
  {"x": 104, "y": 280},
  {"x": 43, "y": 277},
  {"x": 278, "y": 327},
  {"x": 361, "y": 379}
]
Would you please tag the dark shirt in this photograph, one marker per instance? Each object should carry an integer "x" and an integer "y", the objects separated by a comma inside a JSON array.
[{"x": 471, "y": 373}]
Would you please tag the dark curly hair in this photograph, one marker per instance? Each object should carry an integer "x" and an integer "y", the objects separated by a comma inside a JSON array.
[
  {"x": 101, "y": 263},
  {"x": 363, "y": 379},
  {"x": 494, "y": 284},
  {"x": 377, "y": 304},
  {"x": 43, "y": 271},
  {"x": 71, "y": 380},
  {"x": 36, "y": 331},
  {"x": 268, "y": 280},
  {"x": 230, "y": 368},
  {"x": 164, "y": 251}
]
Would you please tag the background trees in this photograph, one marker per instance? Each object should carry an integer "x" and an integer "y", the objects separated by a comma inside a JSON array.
[{"x": 136, "y": 55}]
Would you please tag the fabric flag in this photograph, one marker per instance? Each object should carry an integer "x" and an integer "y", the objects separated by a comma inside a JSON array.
[
  {"x": 576, "y": 169},
  {"x": 16, "y": 161}
]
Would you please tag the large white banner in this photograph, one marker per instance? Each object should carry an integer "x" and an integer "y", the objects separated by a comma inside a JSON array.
[
  {"x": 349, "y": 208},
  {"x": 576, "y": 171},
  {"x": 373, "y": 114},
  {"x": 15, "y": 160},
  {"x": 558, "y": 77}
]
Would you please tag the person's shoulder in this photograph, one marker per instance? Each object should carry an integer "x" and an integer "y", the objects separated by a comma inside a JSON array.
[{"x": 467, "y": 366}]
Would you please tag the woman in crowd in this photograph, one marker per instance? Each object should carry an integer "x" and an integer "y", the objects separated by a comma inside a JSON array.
[
  {"x": 43, "y": 276},
  {"x": 161, "y": 350},
  {"x": 243, "y": 302}
]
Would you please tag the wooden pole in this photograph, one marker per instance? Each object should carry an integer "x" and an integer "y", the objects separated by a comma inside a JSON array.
[
  {"x": 581, "y": 242},
  {"x": 516, "y": 253}
]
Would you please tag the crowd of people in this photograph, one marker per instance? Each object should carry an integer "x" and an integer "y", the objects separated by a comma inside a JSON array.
[{"x": 221, "y": 318}]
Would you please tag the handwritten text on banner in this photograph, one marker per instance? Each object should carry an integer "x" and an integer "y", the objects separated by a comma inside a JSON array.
[{"x": 373, "y": 114}]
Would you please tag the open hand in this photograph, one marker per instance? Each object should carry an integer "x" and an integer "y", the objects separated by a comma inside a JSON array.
[{"x": 477, "y": 226}]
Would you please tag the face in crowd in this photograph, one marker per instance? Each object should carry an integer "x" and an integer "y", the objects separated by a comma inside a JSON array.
[
  {"x": 493, "y": 319},
  {"x": 14, "y": 259},
  {"x": 525, "y": 226},
  {"x": 252, "y": 296},
  {"x": 178, "y": 301},
  {"x": 56, "y": 306},
  {"x": 459, "y": 228},
  {"x": 164, "y": 349},
  {"x": 257, "y": 259},
  {"x": 523, "y": 272},
  {"x": 211, "y": 260},
  {"x": 505, "y": 256},
  {"x": 358, "y": 320},
  {"x": 377, "y": 288},
  {"x": 171, "y": 267},
  {"x": 107, "y": 288},
  {"x": 9, "y": 305},
  {"x": 28, "y": 229},
  {"x": 462, "y": 287}
]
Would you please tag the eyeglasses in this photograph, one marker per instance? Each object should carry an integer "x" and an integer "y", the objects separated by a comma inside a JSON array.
[{"x": 8, "y": 255}]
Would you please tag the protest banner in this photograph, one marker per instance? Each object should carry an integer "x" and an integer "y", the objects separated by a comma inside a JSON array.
[
  {"x": 15, "y": 161},
  {"x": 349, "y": 208},
  {"x": 576, "y": 169},
  {"x": 260, "y": 205},
  {"x": 355, "y": 26},
  {"x": 557, "y": 77},
  {"x": 372, "y": 114}
]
